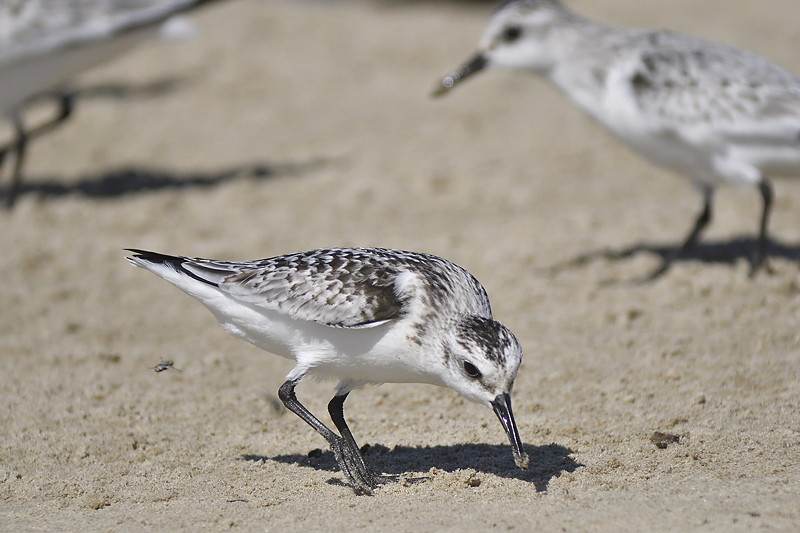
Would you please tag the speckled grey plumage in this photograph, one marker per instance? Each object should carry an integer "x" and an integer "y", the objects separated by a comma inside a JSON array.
[
  {"x": 344, "y": 287},
  {"x": 713, "y": 112}
]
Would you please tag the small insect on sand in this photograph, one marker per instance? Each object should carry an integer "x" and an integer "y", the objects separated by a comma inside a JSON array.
[{"x": 165, "y": 365}]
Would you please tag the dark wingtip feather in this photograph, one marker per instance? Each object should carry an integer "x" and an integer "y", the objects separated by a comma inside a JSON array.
[
  {"x": 174, "y": 261},
  {"x": 157, "y": 258}
]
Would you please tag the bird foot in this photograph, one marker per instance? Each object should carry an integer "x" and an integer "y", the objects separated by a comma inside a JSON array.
[{"x": 352, "y": 465}]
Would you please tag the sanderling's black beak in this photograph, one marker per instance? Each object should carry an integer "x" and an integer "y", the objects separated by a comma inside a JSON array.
[
  {"x": 502, "y": 408},
  {"x": 473, "y": 65}
]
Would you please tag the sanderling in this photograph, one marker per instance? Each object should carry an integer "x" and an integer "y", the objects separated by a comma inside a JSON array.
[
  {"x": 707, "y": 110},
  {"x": 44, "y": 43},
  {"x": 363, "y": 316}
]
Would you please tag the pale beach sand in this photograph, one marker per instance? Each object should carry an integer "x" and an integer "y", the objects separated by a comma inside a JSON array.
[{"x": 291, "y": 125}]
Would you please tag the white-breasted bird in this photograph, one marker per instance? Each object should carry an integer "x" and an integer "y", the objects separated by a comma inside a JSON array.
[
  {"x": 713, "y": 112},
  {"x": 362, "y": 316}
]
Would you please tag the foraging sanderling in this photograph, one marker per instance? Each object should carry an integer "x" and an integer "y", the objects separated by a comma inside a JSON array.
[
  {"x": 707, "y": 110},
  {"x": 44, "y": 43},
  {"x": 362, "y": 316}
]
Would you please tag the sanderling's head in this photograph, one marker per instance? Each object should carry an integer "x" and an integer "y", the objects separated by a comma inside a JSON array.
[
  {"x": 517, "y": 36},
  {"x": 482, "y": 357}
]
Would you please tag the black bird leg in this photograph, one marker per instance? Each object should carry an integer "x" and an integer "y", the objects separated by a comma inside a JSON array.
[
  {"x": 347, "y": 455},
  {"x": 336, "y": 410},
  {"x": 760, "y": 256},
  {"x": 19, "y": 145},
  {"x": 699, "y": 225}
]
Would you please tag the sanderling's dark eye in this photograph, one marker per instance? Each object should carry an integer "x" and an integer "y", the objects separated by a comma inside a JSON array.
[
  {"x": 512, "y": 33},
  {"x": 471, "y": 370}
]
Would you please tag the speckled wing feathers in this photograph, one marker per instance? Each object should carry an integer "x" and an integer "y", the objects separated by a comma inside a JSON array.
[
  {"x": 341, "y": 287},
  {"x": 684, "y": 80},
  {"x": 333, "y": 287}
]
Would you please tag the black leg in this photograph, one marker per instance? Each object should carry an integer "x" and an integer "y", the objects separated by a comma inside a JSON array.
[
  {"x": 336, "y": 410},
  {"x": 66, "y": 103},
  {"x": 760, "y": 257},
  {"x": 338, "y": 444},
  {"x": 20, "y": 144},
  {"x": 699, "y": 225}
]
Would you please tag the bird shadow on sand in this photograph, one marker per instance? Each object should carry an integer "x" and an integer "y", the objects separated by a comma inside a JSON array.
[
  {"x": 546, "y": 462},
  {"x": 130, "y": 180},
  {"x": 126, "y": 91},
  {"x": 133, "y": 180},
  {"x": 727, "y": 252}
]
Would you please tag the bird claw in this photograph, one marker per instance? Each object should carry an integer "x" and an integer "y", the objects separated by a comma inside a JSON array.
[{"x": 352, "y": 465}]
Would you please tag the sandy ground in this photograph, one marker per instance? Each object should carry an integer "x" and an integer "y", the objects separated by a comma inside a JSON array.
[{"x": 290, "y": 125}]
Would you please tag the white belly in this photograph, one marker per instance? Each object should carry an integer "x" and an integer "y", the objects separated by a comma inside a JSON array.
[{"x": 32, "y": 75}]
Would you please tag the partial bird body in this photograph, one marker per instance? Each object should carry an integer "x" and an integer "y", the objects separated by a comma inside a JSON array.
[
  {"x": 45, "y": 43},
  {"x": 713, "y": 112}
]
